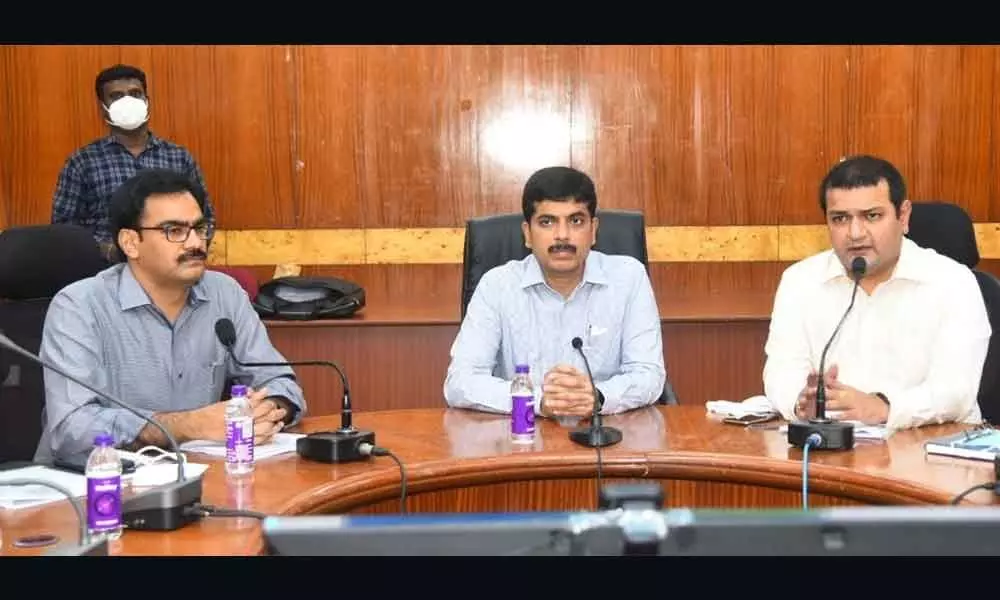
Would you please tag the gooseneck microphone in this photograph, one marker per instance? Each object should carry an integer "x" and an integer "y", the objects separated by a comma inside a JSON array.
[
  {"x": 596, "y": 435},
  {"x": 342, "y": 445},
  {"x": 162, "y": 508},
  {"x": 833, "y": 435}
]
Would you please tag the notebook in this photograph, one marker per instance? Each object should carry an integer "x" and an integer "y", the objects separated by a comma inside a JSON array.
[
  {"x": 281, "y": 443},
  {"x": 978, "y": 444}
]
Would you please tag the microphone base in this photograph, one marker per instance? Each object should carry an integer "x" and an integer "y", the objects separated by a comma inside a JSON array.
[
  {"x": 596, "y": 437},
  {"x": 98, "y": 548},
  {"x": 834, "y": 435},
  {"x": 165, "y": 507},
  {"x": 334, "y": 446}
]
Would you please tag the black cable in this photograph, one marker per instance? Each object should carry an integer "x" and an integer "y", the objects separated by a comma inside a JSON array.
[
  {"x": 207, "y": 510},
  {"x": 599, "y": 475},
  {"x": 980, "y": 486},
  {"x": 379, "y": 451}
]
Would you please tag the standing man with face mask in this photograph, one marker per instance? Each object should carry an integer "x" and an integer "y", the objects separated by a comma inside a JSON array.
[{"x": 92, "y": 173}]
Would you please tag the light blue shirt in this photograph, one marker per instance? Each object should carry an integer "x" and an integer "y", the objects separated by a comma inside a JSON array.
[
  {"x": 515, "y": 317},
  {"x": 104, "y": 330}
]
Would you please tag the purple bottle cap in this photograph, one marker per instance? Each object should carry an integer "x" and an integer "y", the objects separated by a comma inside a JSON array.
[
  {"x": 521, "y": 369},
  {"x": 104, "y": 439},
  {"x": 238, "y": 390}
]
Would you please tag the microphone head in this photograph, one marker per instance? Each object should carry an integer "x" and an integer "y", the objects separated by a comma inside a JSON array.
[
  {"x": 858, "y": 267},
  {"x": 577, "y": 343},
  {"x": 226, "y": 332}
]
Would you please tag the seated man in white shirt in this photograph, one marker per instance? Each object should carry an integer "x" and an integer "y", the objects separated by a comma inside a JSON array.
[
  {"x": 528, "y": 311},
  {"x": 911, "y": 350}
]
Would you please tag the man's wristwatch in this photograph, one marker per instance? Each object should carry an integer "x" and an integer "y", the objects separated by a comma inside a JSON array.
[{"x": 882, "y": 397}]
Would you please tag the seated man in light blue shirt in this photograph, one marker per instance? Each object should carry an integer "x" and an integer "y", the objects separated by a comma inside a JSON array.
[
  {"x": 144, "y": 332},
  {"x": 529, "y": 311}
]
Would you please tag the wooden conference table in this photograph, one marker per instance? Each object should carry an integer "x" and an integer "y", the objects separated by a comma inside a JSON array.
[{"x": 462, "y": 461}]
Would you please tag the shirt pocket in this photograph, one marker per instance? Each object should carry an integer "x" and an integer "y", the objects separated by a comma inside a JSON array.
[
  {"x": 602, "y": 347},
  {"x": 204, "y": 384}
]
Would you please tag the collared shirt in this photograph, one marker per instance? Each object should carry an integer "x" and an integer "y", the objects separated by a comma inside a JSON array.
[
  {"x": 515, "y": 317},
  {"x": 105, "y": 331},
  {"x": 92, "y": 174},
  {"x": 920, "y": 338}
]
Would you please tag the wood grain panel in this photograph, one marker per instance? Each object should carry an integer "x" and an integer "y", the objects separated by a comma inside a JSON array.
[
  {"x": 954, "y": 109},
  {"x": 524, "y": 119},
  {"x": 6, "y": 56},
  {"x": 810, "y": 122},
  {"x": 233, "y": 107},
  {"x": 881, "y": 108},
  {"x": 53, "y": 109},
  {"x": 581, "y": 495},
  {"x": 710, "y": 136},
  {"x": 418, "y": 144},
  {"x": 715, "y": 361},
  {"x": 386, "y": 366},
  {"x": 327, "y": 139}
]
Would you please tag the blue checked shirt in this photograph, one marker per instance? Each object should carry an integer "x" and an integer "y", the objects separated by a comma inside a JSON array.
[
  {"x": 105, "y": 331},
  {"x": 515, "y": 317},
  {"x": 92, "y": 174}
]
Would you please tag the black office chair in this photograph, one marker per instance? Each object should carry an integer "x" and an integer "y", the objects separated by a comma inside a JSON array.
[
  {"x": 949, "y": 230},
  {"x": 493, "y": 240},
  {"x": 35, "y": 263}
]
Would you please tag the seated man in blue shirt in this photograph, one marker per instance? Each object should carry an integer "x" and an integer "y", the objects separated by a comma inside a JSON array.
[
  {"x": 92, "y": 173},
  {"x": 144, "y": 331},
  {"x": 529, "y": 311}
]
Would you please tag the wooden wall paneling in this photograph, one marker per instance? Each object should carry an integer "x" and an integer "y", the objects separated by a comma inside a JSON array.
[
  {"x": 810, "y": 126},
  {"x": 954, "y": 112},
  {"x": 232, "y": 107},
  {"x": 6, "y": 56},
  {"x": 328, "y": 140},
  {"x": 715, "y": 361},
  {"x": 994, "y": 185},
  {"x": 52, "y": 110},
  {"x": 387, "y": 366},
  {"x": 624, "y": 131},
  {"x": 418, "y": 147},
  {"x": 524, "y": 118},
  {"x": 881, "y": 105}
]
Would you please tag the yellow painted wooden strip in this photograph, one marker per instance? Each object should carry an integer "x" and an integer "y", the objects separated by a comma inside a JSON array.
[
  {"x": 412, "y": 246},
  {"x": 444, "y": 245},
  {"x": 298, "y": 246},
  {"x": 712, "y": 244}
]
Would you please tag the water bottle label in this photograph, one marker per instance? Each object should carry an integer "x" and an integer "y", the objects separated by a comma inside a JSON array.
[
  {"x": 522, "y": 415},
  {"x": 104, "y": 503},
  {"x": 239, "y": 441}
]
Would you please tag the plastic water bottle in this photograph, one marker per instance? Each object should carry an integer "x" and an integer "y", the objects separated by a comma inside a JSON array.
[
  {"x": 522, "y": 413},
  {"x": 239, "y": 432},
  {"x": 104, "y": 490}
]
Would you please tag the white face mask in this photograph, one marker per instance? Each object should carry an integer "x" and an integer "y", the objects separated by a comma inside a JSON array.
[{"x": 128, "y": 112}]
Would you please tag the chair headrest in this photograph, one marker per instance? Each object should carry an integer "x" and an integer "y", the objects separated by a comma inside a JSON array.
[
  {"x": 37, "y": 261},
  {"x": 946, "y": 228}
]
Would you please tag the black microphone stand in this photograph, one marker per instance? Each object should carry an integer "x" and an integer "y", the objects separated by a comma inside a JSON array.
[{"x": 832, "y": 435}]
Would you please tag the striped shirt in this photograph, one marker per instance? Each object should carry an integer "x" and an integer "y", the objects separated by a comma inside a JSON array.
[
  {"x": 105, "y": 331},
  {"x": 92, "y": 174},
  {"x": 515, "y": 317}
]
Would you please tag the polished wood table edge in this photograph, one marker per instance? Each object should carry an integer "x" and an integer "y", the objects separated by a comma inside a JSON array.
[{"x": 786, "y": 473}]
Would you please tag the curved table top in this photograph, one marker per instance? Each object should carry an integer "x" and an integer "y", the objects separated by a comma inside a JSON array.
[{"x": 448, "y": 448}]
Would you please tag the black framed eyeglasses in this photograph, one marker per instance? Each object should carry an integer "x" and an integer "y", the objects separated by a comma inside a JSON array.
[{"x": 179, "y": 233}]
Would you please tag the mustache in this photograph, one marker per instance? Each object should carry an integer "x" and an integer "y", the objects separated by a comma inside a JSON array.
[
  {"x": 560, "y": 247},
  {"x": 193, "y": 255}
]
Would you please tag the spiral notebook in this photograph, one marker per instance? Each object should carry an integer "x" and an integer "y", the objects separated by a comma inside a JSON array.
[{"x": 977, "y": 444}]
